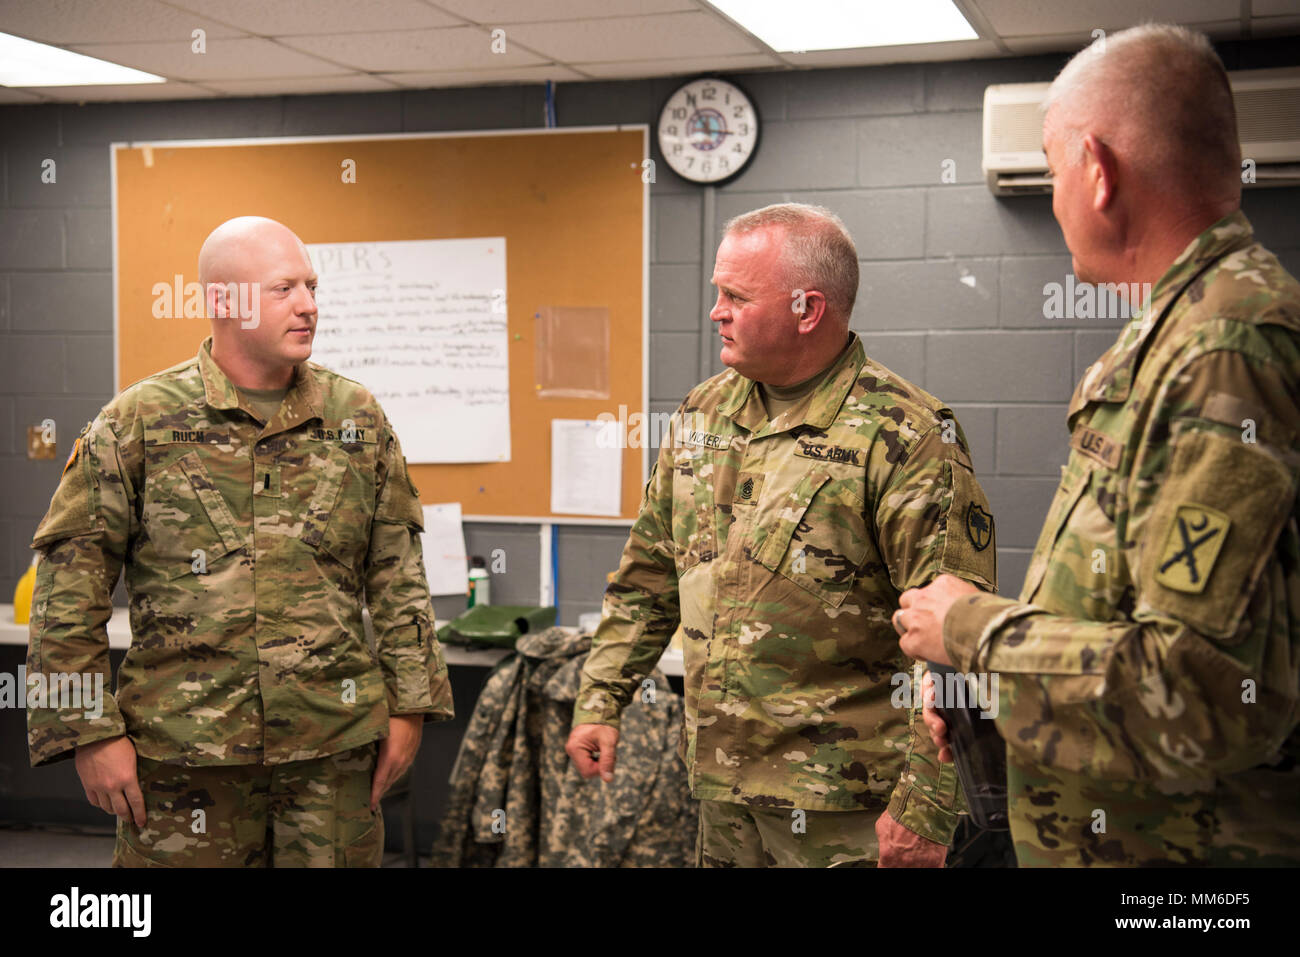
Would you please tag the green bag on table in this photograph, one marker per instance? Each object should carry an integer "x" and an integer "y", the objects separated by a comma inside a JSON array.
[{"x": 495, "y": 626}]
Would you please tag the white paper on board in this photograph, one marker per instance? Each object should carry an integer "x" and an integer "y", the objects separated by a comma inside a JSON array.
[
  {"x": 586, "y": 477},
  {"x": 445, "y": 562},
  {"x": 422, "y": 325}
]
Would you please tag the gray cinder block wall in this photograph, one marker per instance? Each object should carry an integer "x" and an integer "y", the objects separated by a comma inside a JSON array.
[{"x": 951, "y": 292}]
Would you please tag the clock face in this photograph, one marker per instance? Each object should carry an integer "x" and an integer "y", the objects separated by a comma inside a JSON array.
[{"x": 708, "y": 130}]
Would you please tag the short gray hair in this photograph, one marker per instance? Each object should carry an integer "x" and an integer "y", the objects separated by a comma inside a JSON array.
[
  {"x": 819, "y": 252},
  {"x": 1169, "y": 94}
]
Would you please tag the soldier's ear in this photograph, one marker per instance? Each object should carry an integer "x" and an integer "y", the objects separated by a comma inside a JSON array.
[
  {"x": 814, "y": 312},
  {"x": 1102, "y": 171},
  {"x": 214, "y": 295}
]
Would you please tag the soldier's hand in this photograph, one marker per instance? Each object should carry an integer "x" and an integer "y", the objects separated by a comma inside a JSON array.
[
  {"x": 902, "y": 847},
  {"x": 920, "y": 615},
  {"x": 933, "y": 723},
  {"x": 592, "y": 747},
  {"x": 108, "y": 775},
  {"x": 396, "y": 752}
]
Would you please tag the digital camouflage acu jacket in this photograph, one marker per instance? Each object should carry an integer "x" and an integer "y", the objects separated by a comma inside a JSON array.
[
  {"x": 248, "y": 552},
  {"x": 1149, "y": 672},
  {"x": 782, "y": 548}
]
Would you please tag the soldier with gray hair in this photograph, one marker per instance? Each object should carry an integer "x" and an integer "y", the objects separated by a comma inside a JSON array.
[
  {"x": 1148, "y": 670},
  {"x": 801, "y": 492}
]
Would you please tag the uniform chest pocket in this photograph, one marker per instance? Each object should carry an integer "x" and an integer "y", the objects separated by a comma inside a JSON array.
[
  {"x": 337, "y": 516},
  {"x": 817, "y": 536},
  {"x": 1079, "y": 537},
  {"x": 186, "y": 518},
  {"x": 693, "y": 508}
]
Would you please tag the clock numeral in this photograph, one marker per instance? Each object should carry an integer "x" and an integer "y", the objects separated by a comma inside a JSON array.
[
  {"x": 706, "y": 167},
  {"x": 671, "y": 130},
  {"x": 738, "y": 112},
  {"x": 677, "y": 148},
  {"x": 679, "y": 112},
  {"x": 738, "y": 148},
  {"x": 709, "y": 93},
  {"x": 690, "y": 161},
  {"x": 722, "y": 161},
  {"x": 744, "y": 129}
]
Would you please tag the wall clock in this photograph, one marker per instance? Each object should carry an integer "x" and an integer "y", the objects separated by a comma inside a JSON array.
[{"x": 708, "y": 130}]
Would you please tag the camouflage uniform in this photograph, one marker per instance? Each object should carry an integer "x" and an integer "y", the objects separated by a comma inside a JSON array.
[
  {"x": 517, "y": 800},
  {"x": 248, "y": 551},
  {"x": 1148, "y": 673},
  {"x": 782, "y": 547},
  {"x": 217, "y": 816}
]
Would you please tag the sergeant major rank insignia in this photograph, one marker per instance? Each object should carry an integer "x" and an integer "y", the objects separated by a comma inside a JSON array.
[{"x": 979, "y": 526}]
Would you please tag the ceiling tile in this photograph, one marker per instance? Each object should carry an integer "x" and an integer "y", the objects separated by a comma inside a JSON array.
[
  {"x": 528, "y": 11},
  {"x": 1274, "y": 8},
  {"x": 141, "y": 91},
  {"x": 631, "y": 69},
  {"x": 289, "y": 17},
  {"x": 1021, "y": 18},
  {"x": 17, "y": 96},
  {"x": 665, "y": 35},
  {"x": 93, "y": 21},
  {"x": 454, "y": 48},
  {"x": 902, "y": 53},
  {"x": 252, "y": 57},
  {"x": 300, "y": 85},
  {"x": 527, "y": 74}
]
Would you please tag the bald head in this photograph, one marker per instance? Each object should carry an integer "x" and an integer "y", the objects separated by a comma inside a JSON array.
[
  {"x": 1159, "y": 97},
  {"x": 233, "y": 251}
]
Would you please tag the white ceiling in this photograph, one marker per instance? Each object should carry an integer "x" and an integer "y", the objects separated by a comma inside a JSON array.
[{"x": 266, "y": 47}]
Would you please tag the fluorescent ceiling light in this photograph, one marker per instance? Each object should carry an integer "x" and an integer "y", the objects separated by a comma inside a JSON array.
[
  {"x": 796, "y": 27},
  {"x": 25, "y": 63}
]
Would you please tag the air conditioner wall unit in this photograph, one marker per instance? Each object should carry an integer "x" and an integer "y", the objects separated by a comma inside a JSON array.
[{"x": 1268, "y": 127}]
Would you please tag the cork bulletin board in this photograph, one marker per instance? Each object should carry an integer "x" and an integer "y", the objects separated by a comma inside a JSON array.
[{"x": 570, "y": 203}]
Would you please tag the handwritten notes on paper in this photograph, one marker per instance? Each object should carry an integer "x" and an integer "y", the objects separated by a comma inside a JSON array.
[{"x": 422, "y": 325}]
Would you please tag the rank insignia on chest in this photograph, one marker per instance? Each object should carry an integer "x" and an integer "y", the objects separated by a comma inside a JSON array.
[
  {"x": 749, "y": 487},
  {"x": 828, "y": 453},
  {"x": 1191, "y": 546}
]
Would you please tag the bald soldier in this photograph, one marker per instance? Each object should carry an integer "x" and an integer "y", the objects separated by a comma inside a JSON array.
[
  {"x": 1148, "y": 673},
  {"x": 801, "y": 491},
  {"x": 254, "y": 500}
]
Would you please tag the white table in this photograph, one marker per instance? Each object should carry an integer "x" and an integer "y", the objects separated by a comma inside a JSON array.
[{"x": 119, "y": 637}]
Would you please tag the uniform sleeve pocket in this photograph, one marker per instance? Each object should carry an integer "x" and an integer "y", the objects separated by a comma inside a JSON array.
[
  {"x": 74, "y": 508},
  {"x": 1212, "y": 530},
  {"x": 818, "y": 537}
]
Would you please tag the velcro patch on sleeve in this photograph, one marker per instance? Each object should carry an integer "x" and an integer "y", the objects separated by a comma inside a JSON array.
[
  {"x": 970, "y": 541},
  {"x": 1212, "y": 529}
]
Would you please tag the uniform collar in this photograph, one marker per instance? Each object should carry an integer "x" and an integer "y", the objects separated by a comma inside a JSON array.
[
  {"x": 1110, "y": 378},
  {"x": 301, "y": 404},
  {"x": 745, "y": 405}
]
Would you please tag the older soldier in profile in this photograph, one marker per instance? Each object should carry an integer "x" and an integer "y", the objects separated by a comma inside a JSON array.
[
  {"x": 801, "y": 492},
  {"x": 1148, "y": 671},
  {"x": 254, "y": 499}
]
